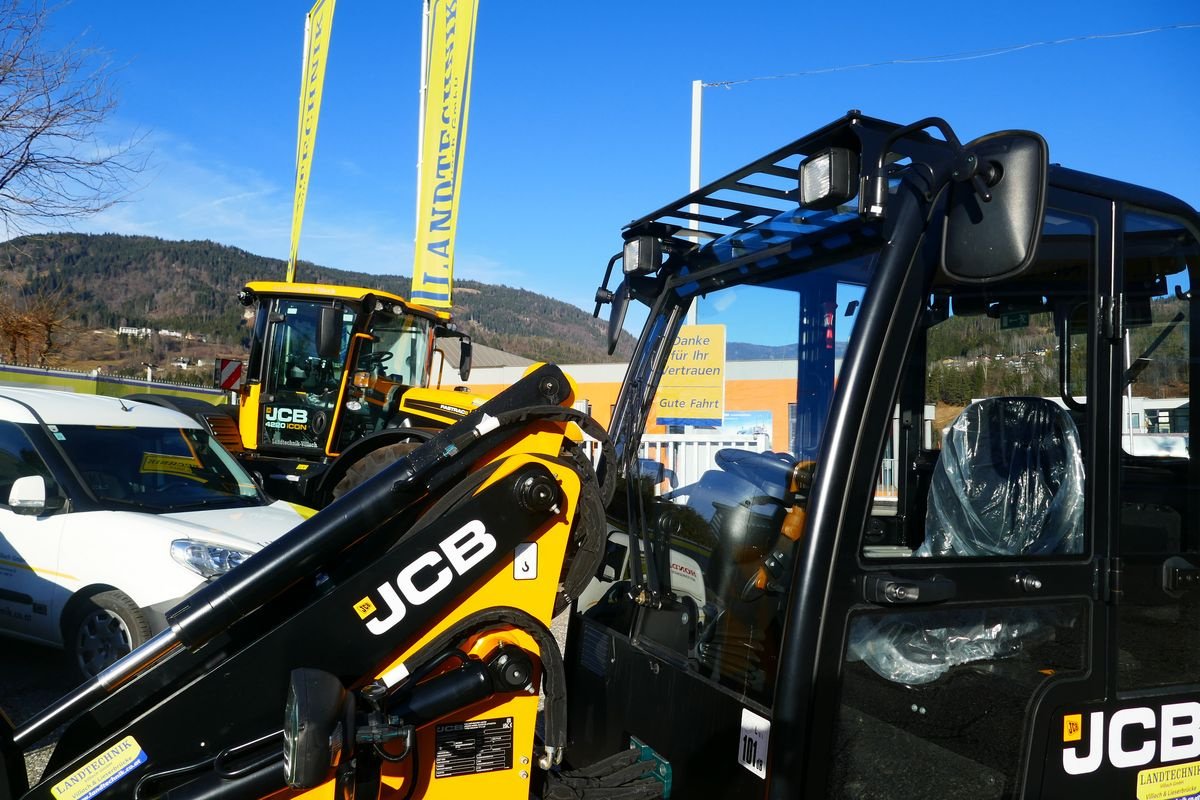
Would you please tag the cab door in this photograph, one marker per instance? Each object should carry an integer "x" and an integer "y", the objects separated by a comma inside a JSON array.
[
  {"x": 963, "y": 605},
  {"x": 1141, "y": 738},
  {"x": 32, "y": 590}
]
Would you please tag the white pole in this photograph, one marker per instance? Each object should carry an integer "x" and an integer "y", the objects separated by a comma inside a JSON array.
[
  {"x": 423, "y": 89},
  {"x": 694, "y": 183}
]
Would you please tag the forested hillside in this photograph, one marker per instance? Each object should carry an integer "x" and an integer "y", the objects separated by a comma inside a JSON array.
[{"x": 108, "y": 281}]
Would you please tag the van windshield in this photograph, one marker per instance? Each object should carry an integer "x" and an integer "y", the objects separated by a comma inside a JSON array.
[{"x": 157, "y": 469}]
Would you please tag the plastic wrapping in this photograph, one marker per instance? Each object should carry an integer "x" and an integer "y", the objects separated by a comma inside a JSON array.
[
  {"x": 1009, "y": 482},
  {"x": 919, "y": 647}
]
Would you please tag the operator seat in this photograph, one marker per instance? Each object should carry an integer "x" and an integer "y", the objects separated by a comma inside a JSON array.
[{"x": 1009, "y": 482}]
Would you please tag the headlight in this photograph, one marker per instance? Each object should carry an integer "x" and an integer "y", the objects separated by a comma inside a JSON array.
[{"x": 205, "y": 558}]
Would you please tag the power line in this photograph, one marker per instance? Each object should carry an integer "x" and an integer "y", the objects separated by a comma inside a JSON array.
[{"x": 953, "y": 57}]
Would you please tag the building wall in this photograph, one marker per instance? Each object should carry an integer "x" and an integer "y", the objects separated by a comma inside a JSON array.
[{"x": 752, "y": 386}]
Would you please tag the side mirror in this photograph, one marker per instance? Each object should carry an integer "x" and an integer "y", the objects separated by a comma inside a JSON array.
[
  {"x": 994, "y": 223},
  {"x": 329, "y": 333},
  {"x": 464, "y": 358},
  {"x": 28, "y": 496},
  {"x": 314, "y": 727},
  {"x": 616, "y": 315}
]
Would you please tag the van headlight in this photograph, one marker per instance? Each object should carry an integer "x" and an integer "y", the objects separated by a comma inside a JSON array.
[{"x": 207, "y": 559}]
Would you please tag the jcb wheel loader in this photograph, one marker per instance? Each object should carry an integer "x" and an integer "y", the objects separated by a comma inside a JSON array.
[
  {"x": 946, "y": 541},
  {"x": 338, "y": 379}
]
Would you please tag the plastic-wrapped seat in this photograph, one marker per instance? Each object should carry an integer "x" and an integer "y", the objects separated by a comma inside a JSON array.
[{"x": 1009, "y": 482}]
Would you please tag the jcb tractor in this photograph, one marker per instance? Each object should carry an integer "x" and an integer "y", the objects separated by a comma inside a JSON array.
[
  {"x": 966, "y": 565},
  {"x": 339, "y": 381}
]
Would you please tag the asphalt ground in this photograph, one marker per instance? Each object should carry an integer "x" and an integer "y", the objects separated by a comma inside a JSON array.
[{"x": 31, "y": 678}]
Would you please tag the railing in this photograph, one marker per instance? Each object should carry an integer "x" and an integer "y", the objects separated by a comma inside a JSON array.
[{"x": 687, "y": 456}]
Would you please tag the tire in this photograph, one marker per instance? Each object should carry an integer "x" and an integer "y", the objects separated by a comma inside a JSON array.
[
  {"x": 371, "y": 465},
  {"x": 102, "y": 628}
]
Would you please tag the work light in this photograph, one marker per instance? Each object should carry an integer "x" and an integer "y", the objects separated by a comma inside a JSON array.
[{"x": 828, "y": 178}]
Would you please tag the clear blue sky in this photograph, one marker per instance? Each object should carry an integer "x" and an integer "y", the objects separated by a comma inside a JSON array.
[{"x": 580, "y": 112}]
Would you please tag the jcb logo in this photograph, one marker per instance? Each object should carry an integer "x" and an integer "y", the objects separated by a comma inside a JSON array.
[
  {"x": 1135, "y": 737},
  {"x": 428, "y": 575},
  {"x": 295, "y": 419}
]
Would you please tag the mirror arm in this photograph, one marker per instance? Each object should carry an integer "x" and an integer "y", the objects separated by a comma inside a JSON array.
[{"x": 603, "y": 294}]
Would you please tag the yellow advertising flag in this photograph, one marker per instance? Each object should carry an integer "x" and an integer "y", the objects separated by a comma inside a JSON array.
[
  {"x": 450, "y": 45},
  {"x": 318, "y": 27}
]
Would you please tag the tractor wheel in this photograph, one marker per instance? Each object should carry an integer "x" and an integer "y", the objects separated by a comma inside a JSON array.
[{"x": 371, "y": 465}]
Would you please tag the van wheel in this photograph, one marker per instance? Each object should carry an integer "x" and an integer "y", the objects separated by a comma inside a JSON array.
[
  {"x": 371, "y": 465},
  {"x": 101, "y": 629}
]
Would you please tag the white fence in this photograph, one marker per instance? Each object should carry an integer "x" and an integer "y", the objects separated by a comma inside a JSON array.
[{"x": 686, "y": 456}]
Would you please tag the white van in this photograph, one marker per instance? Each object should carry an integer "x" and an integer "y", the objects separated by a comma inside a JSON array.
[{"x": 111, "y": 511}]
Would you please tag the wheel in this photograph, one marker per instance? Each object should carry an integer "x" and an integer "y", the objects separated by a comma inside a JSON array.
[
  {"x": 102, "y": 628},
  {"x": 371, "y": 465}
]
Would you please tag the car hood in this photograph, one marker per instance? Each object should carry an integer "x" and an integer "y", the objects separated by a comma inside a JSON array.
[{"x": 244, "y": 528}]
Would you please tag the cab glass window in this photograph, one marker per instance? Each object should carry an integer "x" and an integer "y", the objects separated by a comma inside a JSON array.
[
  {"x": 734, "y": 427},
  {"x": 982, "y": 486},
  {"x": 986, "y": 457},
  {"x": 1158, "y": 609}
]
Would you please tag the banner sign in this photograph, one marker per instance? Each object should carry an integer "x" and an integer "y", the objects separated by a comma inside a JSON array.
[
  {"x": 318, "y": 27},
  {"x": 692, "y": 388},
  {"x": 450, "y": 34}
]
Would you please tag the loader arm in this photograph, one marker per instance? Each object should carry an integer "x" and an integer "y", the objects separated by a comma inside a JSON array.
[{"x": 403, "y": 629}]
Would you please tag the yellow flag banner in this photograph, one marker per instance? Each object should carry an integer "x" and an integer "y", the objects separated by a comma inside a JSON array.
[
  {"x": 318, "y": 26},
  {"x": 451, "y": 44}
]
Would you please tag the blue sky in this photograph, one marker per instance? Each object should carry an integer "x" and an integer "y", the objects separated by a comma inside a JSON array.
[{"x": 580, "y": 111}]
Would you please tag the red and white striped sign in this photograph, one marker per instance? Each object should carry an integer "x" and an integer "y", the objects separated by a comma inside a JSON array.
[{"x": 229, "y": 373}]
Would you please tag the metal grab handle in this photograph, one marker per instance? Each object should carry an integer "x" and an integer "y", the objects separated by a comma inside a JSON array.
[{"x": 888, "y": 590}]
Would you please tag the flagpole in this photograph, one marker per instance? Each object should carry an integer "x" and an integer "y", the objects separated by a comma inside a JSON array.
[{"x": 422, "y": 90}]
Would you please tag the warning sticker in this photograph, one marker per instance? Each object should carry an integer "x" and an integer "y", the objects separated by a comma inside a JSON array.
[
  {"x": 1176, "y": 782},
  {"x": 101, "y": 772},
  {"x": 469, "y": 748}
]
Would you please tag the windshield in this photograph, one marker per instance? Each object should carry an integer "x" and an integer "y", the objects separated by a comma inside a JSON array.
[
  {"x": 157, "y": 469},
  {"x": 733, "y": 407},
  {"x": 400, "y": 349}
]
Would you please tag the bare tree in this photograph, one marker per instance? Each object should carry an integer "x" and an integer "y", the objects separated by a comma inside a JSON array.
[
  {"x": 53, "y": 162},
  {"x": 33, "y": 325}
]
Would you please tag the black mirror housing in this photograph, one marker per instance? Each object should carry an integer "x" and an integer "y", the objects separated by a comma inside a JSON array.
[
  {"x": 464, "y": 358},
  {"x": 989, "y": 239},
  {"x": 329, "y": 333},
  {"x": 616, "y": 315}
]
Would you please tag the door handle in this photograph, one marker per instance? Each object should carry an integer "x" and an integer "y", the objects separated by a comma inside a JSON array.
[{"x": 888, "y": 590}]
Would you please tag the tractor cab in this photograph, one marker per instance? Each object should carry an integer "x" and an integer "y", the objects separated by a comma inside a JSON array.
[
  {"x": 330, "y": 366},
  {"x": 947, "y": 529}
]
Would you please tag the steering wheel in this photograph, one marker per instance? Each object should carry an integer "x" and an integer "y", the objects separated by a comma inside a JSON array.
[{"x": 373, "y": 360}]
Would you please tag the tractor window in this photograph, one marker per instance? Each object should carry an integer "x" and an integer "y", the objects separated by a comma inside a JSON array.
[
  {"x": 988, "y": 427},
  {"x": 401, "y": 350},
  {"x": 720, "y": 470},
  {"x": 987, "y": 461},
  {"x": 1158, "y": 617}
]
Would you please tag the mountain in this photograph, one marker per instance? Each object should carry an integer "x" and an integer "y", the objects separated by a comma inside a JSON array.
[{"x": 103, "y": 282}]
